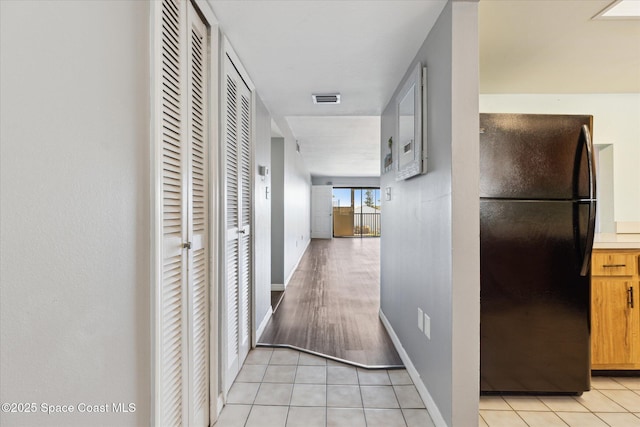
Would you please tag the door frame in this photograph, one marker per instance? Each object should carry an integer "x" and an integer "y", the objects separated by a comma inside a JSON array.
[{"x": 156, "y": 199}]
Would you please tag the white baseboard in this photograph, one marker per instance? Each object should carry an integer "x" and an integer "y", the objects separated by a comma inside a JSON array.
[
  {"x": 215, "y": 407},
  {"x": 263, "y": 324},
  {"x": 432, "y": 408},
  {"x": 293, "y": 270},
  {"x": 277, "y": 286}
]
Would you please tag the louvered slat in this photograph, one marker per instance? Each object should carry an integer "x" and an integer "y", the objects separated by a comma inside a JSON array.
[
  {"x": 171, "y": 118},
  {"x": 246, "y": 161},
  {"x": 231, "y": 154},
  {"x": 245, "y": 251},
  {"x": 232, "y": 300},
  {"x": 198, "y": 146},
  {"x": 172, "y": 341},
  {"x": 200, "y": 352},
  {"x": 198, "y": 222},
  {"x": 171, "y": 346}
]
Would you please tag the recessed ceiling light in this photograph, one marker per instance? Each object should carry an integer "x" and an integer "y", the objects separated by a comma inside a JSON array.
[
  {"x": 326, "y": 98},
  {"x": 621, "y": 9}
]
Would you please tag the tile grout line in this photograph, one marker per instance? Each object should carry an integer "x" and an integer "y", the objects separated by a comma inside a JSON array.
[
  {"x": 326, "y": 394},
  {"x": 516, "y": 412},
  {"x": 610, "y": 399},
  {"x": 575, "y": 399},
  {"x": 364, "y": 413},
  {"x": 600, "y": 413},
  {"x": 398, "y": 399}
]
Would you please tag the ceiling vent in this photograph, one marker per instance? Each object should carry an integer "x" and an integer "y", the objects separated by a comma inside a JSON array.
[{"x": 326, "y": 98}]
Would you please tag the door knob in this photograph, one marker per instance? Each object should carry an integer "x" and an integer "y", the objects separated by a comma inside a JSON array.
[{"x": 186, "y": 245}]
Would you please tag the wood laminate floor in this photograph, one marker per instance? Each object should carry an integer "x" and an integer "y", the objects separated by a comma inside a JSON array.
[{"x": 331, "y": 304}]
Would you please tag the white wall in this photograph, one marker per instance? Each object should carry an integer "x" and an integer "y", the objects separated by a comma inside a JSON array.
[
  {"x": 430, "y": 247},
  {"x": 616, "y": 121},
  {"x": 262, "y": 215},
  {"x": 74, "y": 209}
]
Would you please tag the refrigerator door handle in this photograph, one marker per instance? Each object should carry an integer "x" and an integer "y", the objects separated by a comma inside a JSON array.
[
  {"x": 588, "y": 246},
  {"x": 586, "y": 138},
  {"x": 591, "y": 227}
]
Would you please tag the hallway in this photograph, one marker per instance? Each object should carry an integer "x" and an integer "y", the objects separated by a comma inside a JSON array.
[
  {"x": 330, "y": 307},
  {"x": 331, "y": 304}
]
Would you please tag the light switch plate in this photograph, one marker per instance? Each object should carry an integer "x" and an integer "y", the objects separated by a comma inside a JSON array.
[
  {"x": 420, "y": 320},
  {"x": 427, "y": 326}
]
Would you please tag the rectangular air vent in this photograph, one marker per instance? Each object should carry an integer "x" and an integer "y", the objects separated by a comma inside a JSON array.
[{"x": 326, "y": 98}]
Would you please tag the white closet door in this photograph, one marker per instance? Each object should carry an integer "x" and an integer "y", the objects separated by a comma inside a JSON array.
[
  {"x": 198, "y": 220},
  {"x": 183, "y": 373},
  {"x": 237, "y": 139},
  {"x": 172, "y": 316},
  {"x": 245, "y": 222},
  {"x": 321, "y": 212}
]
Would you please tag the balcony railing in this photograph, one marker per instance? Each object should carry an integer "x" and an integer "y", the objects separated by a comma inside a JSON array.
[{"x": 366, "y": 224}]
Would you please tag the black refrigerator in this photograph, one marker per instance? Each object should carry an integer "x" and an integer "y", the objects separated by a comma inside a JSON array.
[{"x": 537, "y": 221}]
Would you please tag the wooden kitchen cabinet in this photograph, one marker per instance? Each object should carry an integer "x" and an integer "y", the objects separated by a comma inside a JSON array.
[{"x": 615, "y": 309}]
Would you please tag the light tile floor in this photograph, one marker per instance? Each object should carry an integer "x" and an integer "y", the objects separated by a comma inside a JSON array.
[
  {"x": 612, "y": 401},
  {"x": 286, "y": 388}
]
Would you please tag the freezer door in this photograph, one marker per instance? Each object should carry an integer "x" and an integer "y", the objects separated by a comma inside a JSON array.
[
  {"x": 534, "y": 156},
  {"x": 534, "y": 303}
]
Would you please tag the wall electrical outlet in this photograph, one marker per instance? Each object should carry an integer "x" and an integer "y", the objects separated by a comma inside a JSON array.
[
  {"x": 420, "y": 320},
  {"x": 427, "y": 326}
]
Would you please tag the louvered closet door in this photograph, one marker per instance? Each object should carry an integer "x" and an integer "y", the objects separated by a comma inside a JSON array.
[
  {"x": 197, "y": 220},
  {"x": 182, "y": 374},
  {"x": 238, "y": 208},
  {"x": 172, "y": 317}
]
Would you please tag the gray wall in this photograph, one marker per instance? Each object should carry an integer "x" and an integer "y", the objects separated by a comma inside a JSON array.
[
  {"x": 347, "y": 181},
  {"x": 277, "y": 211},
  {"x": 297, "y": 207},
  {"x": 430, "y": 239},
  {"x": 293, "y": 210},
  {"x": 74, "y": 209},
  {"x": 262, "y": 214}
]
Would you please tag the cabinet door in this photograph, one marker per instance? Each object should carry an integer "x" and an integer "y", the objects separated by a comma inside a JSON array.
[{"x": 614, "y": 322}]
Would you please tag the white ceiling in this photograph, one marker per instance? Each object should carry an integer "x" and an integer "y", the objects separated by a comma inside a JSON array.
[
  {"x": 353, "y": 143},
  {"x": 293, "y": 48},
  {"x": 359, "y": 48}
]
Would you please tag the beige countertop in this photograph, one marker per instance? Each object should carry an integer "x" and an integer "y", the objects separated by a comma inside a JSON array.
[{"x": 616, "y": 241}]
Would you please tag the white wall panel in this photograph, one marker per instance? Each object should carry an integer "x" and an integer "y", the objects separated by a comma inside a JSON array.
[{"x": 74, "y": 209}]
